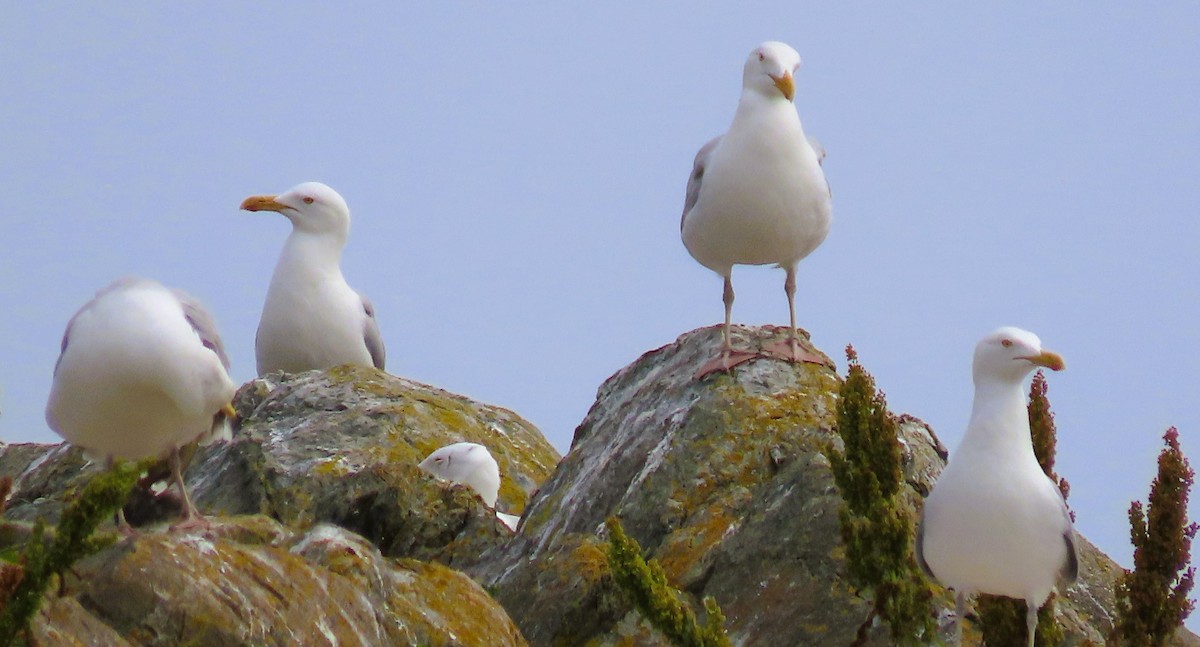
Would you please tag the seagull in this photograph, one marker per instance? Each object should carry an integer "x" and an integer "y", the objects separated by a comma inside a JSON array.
[
  {"x": 994, "y": 522},
  {"x": 470, "y": 464},
  {"x": 142, "y": 373},
  {"x": 312, "y": 319},
  {"x": 757, "y": 194}
]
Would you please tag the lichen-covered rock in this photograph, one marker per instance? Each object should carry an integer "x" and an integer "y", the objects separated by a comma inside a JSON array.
[
  {"x": 343, "y": 446},
  {"x": 725, "y": 481},
  {"x": 339, "y": 446},
  {"x": 251, "y": 581}
]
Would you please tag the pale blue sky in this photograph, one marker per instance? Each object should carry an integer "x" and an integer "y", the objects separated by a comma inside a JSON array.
[{"x": 516, "y": 175}]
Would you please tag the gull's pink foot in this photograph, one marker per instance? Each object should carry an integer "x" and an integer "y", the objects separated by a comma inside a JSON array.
[
  {"x": 192, "y": 522},
  {"x": 725, "y": 362},
  {"x": 790, "y": 352}
]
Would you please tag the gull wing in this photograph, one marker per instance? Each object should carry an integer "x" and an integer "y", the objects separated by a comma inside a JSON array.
[
  {"x": 204, "y": 325},
  {"x": 371, "y": 335},
  {"x": 693, "y": 185}
]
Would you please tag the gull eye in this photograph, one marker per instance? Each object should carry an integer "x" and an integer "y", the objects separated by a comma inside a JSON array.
[
  {"x": 308, "y": 200},
  {"x": 761, "y": 57},
  {"x": 1006, "y": 342}
]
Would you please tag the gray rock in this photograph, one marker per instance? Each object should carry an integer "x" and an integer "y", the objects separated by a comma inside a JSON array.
[
  {"x": 343, "y": 446},
  {"x": 251, "y": 581},
  {"x": 725, "y": 482},
  {"x": 326, "y": 529},
  {"x": 318, "y": 454}
]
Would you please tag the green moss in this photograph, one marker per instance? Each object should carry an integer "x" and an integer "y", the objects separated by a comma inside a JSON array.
[
  {"x": 646, "y": 586},
  {"x": 1002, "y": 622},
  {"x": 74, "y": 538},
  {"x": 877, "y": 526}
]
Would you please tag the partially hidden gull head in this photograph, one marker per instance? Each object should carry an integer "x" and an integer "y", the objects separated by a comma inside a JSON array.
[
  {"x": 770, "y": 70},
  {"x": 468, "y": 463},
  {"x": 1009, "y": 354},
  {"x": 312, "y": 207}
]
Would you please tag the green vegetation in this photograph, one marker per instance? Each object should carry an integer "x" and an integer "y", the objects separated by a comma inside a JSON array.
[
  {"x": 876, "y": 525},
  {"x": 1002, "y": 619},
  {"x": 1152, "y": 599},
  {"x": 646, "y": 587},
  {"x": 44, "y": 559}
]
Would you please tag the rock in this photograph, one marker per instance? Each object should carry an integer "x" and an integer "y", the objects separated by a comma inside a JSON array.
[
  {"x": 343, "y": 446},
  {"x": 251, "y": 581},
  {"x": 340, "y": 446},
  {"x": 326, "y": 529},
  {"x": 725, "y": 481},
  {"x": 318, "y": 455}
]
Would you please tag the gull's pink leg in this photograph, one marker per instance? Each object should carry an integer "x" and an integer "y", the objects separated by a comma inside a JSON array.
[
  {"x": 191, "y": 517},
  {"x": 790, "y": 350},
  {"x": 729, "y": 357}
]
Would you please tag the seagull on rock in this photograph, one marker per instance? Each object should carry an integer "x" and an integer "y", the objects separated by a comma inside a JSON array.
[
  {"x": 142, "y": 373},
  {"x": 994, "y": 522},
  {"x": 312, "y": 318},
  {"x": 470, "y": 464},
  {"x": 757, "y": 194}
]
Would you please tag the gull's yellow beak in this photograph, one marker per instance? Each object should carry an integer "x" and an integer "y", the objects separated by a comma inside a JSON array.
[
  {"x": 262, "y": 203},
  {"x": 1048, "y": 359},
  {"x": 785, "y": 84}
]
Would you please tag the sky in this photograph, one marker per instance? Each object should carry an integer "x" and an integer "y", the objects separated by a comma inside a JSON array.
[{"x": 516, "y": 174}]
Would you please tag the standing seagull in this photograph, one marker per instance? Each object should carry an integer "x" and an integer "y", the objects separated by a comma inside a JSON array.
[
  {"x": 757, "y": 195},
  {"x": 141, "y": 374},
  {"x": 312, "y": 319},
  {"x": 994, "y": 522}
]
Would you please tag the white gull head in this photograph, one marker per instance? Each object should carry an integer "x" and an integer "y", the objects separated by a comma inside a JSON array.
[
  {"x": 770, "y": 70},
  {"x": 469, "y": 464},
  {"x": 312, "y": 207},
  {"x": 1009, "y": 354}
]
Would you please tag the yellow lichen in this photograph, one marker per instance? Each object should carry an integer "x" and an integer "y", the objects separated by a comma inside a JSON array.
[{"x": 590, "y": 560}]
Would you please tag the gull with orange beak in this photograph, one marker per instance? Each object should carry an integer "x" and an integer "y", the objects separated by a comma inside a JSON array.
[
  {"x": 312, "y": 318},
  {"x": 994, "y": 522},
  {"x": 757, "y": 194}
]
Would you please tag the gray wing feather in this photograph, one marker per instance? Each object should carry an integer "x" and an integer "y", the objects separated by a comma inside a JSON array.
[
  {"x": 693, "y": 185},
  {"x": 919, "y": 548},
  {"x": 820, "y": 151},
  {"x": 371, "y": 335},
  {"x": 1070, "y": 570},
  {"x": 66, "y": 338},
  {"x": 202, "y": 322}
]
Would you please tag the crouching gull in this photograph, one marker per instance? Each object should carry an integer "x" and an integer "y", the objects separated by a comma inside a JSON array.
[
  {"x": 312, "y": 319},
  {"x": 142, "y": 373},
  {"x": 470, "y": 464},
  {"x": 994, "y": 522},
  {"x": 757, "y": 194}
]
